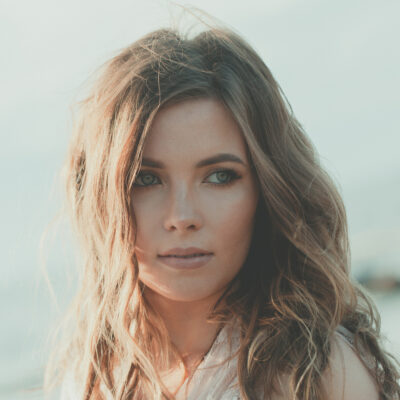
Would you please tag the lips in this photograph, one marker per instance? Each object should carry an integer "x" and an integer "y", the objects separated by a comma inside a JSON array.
[
  {"x": 189, "y": 252},
  {"x": 190, "y": 261},
  {"x": 189, "y": 256}
]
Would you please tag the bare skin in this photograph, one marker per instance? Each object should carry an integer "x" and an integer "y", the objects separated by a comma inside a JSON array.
[
  {"x": 182, "y": 204},
  {"x": 190, "y": 332}
]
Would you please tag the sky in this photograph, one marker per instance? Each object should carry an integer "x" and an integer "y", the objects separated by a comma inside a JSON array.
[{"x": 337, "y": 62}]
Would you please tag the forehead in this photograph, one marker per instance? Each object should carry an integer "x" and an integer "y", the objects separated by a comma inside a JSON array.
[{"x": 192, "y": 129}]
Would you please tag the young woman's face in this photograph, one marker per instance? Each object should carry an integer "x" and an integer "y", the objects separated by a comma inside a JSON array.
[{"x": 195, "y": 190}]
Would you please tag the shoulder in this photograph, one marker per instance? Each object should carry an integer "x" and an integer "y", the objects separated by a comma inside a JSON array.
[{"x": 346, "y": 377}]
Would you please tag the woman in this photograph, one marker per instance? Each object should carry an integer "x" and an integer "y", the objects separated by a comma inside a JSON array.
[{"x": 215, "y": 246}]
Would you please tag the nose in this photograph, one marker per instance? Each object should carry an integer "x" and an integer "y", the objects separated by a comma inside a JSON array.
[{"x": 181, "y": 214}]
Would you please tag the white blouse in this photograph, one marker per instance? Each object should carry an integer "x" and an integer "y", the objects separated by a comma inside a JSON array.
[{"x": 211, "y": 380}]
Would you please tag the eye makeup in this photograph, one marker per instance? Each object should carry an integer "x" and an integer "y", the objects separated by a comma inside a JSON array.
[{"x": 227, "y": 175}]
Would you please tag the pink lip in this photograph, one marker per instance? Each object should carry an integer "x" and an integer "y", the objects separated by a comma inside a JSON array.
[
  {"x": 180, "y": 251},
  {"x": 186, "y": 263}
]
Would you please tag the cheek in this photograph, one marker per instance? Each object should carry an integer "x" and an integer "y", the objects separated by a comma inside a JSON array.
[
  {"x": 233, "y": 221},
  {"x": 146, "y": 221}
]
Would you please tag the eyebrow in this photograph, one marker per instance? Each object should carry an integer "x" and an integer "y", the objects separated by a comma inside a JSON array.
[{"x": 218, "y": 158}]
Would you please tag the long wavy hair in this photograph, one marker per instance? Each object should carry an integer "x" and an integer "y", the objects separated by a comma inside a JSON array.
[{"x": 294, "y": 288}]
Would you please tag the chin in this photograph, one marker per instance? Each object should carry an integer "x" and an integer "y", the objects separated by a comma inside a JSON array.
[{"x": 185, "y": 294}]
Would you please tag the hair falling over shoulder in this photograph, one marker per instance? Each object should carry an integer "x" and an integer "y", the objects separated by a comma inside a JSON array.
[{"x": 294, "y": 289}]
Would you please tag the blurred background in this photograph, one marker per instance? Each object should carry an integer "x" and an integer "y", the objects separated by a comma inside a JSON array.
[{"x": 337, "y": 62}]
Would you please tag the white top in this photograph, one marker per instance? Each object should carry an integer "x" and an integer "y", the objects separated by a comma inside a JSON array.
[{"x": 210, "y": 381}]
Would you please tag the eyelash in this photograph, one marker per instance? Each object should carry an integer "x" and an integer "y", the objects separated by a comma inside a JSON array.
[{"x": 233, "y": 176}]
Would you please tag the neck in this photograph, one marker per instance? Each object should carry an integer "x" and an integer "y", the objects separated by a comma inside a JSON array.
[{"x": 187, "y": 324}]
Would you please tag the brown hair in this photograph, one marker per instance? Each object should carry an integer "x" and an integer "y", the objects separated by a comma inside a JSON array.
[{"x": 294, "y": 288}]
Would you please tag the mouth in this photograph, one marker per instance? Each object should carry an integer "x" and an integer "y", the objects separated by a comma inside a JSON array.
[
  {"x": 188, "y": 252},
  {"x": 186, "y": 262},
  {"x": 187, "y": 256}
]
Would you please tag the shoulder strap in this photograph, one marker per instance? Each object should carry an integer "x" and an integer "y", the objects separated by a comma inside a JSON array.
[{"x": 346, "y": 334}]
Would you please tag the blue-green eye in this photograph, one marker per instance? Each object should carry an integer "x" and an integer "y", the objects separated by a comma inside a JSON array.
[
  {"x": 224, "y": 177},
  {"x": 146, "y": 179}
]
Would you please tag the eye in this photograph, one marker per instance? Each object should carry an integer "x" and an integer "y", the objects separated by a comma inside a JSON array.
[
  {"x": 146, "y": 179},
  {"x": 223, "y": 177}
]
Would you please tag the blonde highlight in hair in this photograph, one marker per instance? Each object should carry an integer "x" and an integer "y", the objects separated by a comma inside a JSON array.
[{"x": 294, "y": 288}]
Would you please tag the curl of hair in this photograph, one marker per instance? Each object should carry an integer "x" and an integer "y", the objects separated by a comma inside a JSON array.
[{"x": 294, "y": 288}]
